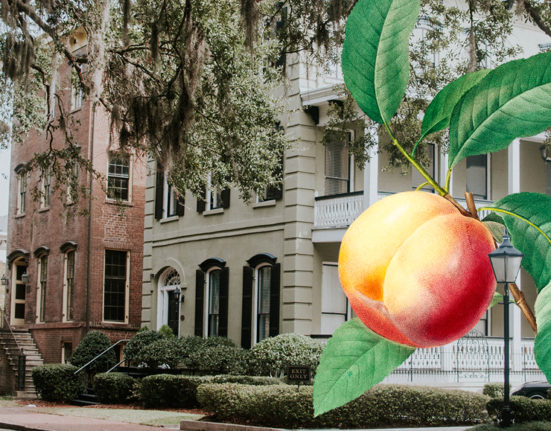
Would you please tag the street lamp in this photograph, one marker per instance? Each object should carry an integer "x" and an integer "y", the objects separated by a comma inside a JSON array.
[
  {"x": 5, "y": 280},
  {"x": 506, "y": 261}
]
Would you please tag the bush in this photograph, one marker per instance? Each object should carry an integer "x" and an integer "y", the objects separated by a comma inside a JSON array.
[
  {"x": 162, "y": 351},
  {"x": 167, "y": 390},
  {"x": 113, "y": 388},
  {"x": 166, "y": 331},
  {"x": 57, "y": 382},
  {"x": 218, "y": 341},
  {"x": 382, "y": 406},
  {"x": 94, "y": 343},
  {"x": 220, "y": 359},
  {"x": 272, "y": 356},
  {"x": 494, "y": 390},
  {"x": 142, "y": 339},
  {"x": 523, "y": 409},
  {"x": 527, "y": 426}
]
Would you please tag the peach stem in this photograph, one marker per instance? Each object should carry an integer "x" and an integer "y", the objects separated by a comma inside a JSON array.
[
  {"x": 521, "y": 302},
  {"x": 471, "y": 205}
]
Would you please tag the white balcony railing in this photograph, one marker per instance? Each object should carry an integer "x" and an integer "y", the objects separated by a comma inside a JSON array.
[{"x": 340, "y": 211}]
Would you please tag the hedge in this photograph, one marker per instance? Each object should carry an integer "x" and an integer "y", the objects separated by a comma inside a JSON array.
[
  {"x": 382, "y": 406},
  {"x": 494, "y": 390},
  {"x": 167, "y": 390},
  {"x": 57, "y": 382},
  {"x": 113, "y": 388},
  {"x": 91, "y": 345},
  {"x": 523, "y": 409}
]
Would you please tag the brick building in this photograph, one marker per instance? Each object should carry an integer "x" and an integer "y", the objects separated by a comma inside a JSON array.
[{"x": 71, "y": 274}]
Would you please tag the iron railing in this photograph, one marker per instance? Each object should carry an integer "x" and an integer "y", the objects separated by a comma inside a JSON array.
[{"x": 100, "y": 355}]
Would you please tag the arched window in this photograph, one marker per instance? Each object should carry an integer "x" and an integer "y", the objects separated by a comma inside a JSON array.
[
  {"x": 168, "y": 301},
  {"x": 211, "y": 299},
  {"x": 261, "y": 296},
  {"x": 41, "y": 254},
  {"x": 18, "y": 261}
]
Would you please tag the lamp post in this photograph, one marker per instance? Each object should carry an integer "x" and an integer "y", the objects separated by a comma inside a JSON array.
[
  {"x": 5, "y": 280},
  {"x": 506, "y": 261}
]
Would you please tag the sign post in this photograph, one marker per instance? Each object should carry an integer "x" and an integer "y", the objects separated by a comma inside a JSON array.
[{"x": 298, "y": 374}]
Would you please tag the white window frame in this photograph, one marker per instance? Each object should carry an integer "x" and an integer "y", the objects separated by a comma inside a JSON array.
[
  {"x": 72, "y": 186},
  {"x": 206, "y": 301},
  {"x": 488, "y": 177},
  {"x": 65, "y": 284},
  {"x": 21, "y": 193},
  {"x": 130, "y": 168},
  {"x": 40, "y": 294},
  {"x": 76, "y": 97},
  {"x": 45, "y": 189},
  {"x": 256, "y": 278},
  {"x": 14, "y": 283},
  {"x": 163, "y": 297},
  {"x": 213, "y": 197},
  {"x": 169, "y": 196},
  {"x": 348, "y": 314},
  {"x": 126, "y": 290},
  {"x": 351, "y": 164}
]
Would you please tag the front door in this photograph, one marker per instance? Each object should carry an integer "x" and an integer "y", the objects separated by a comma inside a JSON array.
[
  {"x": 172, "y": 314},
  {"x": 18, "y": 294}
]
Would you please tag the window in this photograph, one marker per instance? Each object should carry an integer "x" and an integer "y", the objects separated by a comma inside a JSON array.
[
  {"x": 72, "y": 186},
  {"x": 211, "y": 298},
  {"x": 167, "y": 202},
  {"x": 66, "y": 353},
  {"x": 171, "y": 201},
  {"x": 168, "y": 300},
  {"x": 416, "y": 178},
  {"x": 69, "y": 286},
  {"x": 21, "y": 192},
  {"x": 45, "y": 188},
  {"x": 115, "y": 286},
  {"x": 275, "y": 192},
  {"x": 334, "y": 304},
  {"x": 18, "y": 307},
  {"x": 477, "y": 176},
  {"x": 260, "y": 299},
  {"x": 42, "y": 285},
  {"x": 76, "y": 95},
  {"x": 214, "y": 196},
  {"x": 118, "y": 177},
  {"x": 337, "y": 163}
]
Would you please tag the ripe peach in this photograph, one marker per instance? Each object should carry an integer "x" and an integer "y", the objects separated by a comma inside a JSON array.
[{"x": 416, "y": 271}]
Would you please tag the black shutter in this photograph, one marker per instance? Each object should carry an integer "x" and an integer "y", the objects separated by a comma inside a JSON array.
[
  {"x": 224, "y": 291},
  {"x": 201, "y": 203},
  {"x": 180, "y": 206},
  {"x": 159, "y": 188},
  {"x": 276, "y": 191},
  {"x": 246, "y": 312},
  {"x": 225, "y": 196},
  {"x": 274, "y": 300},
  {"x": 199, "y": 301}
]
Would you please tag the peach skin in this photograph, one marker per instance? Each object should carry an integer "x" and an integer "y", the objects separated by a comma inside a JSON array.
[{"x": 416, "y": 271}]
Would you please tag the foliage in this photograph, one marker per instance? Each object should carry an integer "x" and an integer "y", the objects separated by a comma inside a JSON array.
[
  {"x": 527, "y": 426},
  {"x": 382, "y": 406},
  {"x": 220, "y": 359},
  {"x": 163, "y": 351},
  {"x": 113, "y": 388},
  {"x": 523, "y": 409},
  {"x": 493, "y": 390},
  {"x": 166, "y": 331},
  {"x": 138, "y": 342},
  {"x": 91, "y": 345},
  {"x": 57, "y": 382},
  {"x": 272, "y": 356}
]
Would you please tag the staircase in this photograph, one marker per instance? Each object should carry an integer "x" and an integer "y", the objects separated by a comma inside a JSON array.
[{"x": 13, "y": 342}]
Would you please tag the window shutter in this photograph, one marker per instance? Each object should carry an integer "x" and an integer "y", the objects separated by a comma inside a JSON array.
[
  {"x": 274, "y": 300},
  {"x": 224, "y": 290},
  {"x": 276, "y": 192},
  {"x": 180, "y": 206},
  {"x": 201, "y": 203},
  {"x": 199, "y": 301},
  {"x": 246, "y": 312},
  {"x": 225, "y": 196},
  {"x": 159, "y": 188}
]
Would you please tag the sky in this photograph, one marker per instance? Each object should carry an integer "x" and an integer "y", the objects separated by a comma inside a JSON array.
[{"x": 4, "y": 180}]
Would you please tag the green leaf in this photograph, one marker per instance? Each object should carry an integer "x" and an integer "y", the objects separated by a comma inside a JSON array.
[
  {"x": 513, "y": 100},
  {"x": 496, "y": 229},
  {"x": 375, "y": 55},
  {"x": 354, "y": 360},
  {"x": 528, "y": 218},
  {"x": 498, "y": 297},
  {"x": 437, "y": 116},
  {"x": 542, "y": 345}
]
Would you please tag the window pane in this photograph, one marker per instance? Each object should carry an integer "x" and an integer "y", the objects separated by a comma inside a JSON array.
[
  {"x": 115, "y": 285},
  {"x": 43, "y": 281},
  {"x": 214, "y": 291},
  {"x": 70, "y": 281},
  {"x": 20, "y": 291},
  {"x": 337, "y": 173},
  {"x": 264, "y": 275},
  {"x": 19, "y": 311},
  {"x": 118, "y": 177},
  {"x": 477, "y": 176},
  {"x": 20, "y": 271}
]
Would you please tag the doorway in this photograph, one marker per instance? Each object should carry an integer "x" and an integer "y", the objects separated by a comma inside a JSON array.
[{"x": 168, "y": 309}]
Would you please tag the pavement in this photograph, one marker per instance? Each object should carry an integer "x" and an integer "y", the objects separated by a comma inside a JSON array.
[{"x": 14, "y": 416}]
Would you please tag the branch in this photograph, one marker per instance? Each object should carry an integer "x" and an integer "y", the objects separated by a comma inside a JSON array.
[{"x": 536, "y": 17}]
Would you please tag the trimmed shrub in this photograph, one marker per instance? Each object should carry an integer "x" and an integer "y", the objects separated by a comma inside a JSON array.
[
  {"x": 142, "y": 339},
  {"x": 57, "y": 382},
  {"x": 273, "y": 355},
  {"x": 523, "y": 409},
  {"x": 162, "y": 351},
  {"x": 218, "y": 341},
  {"x": 494, "y": 390},
  {"x": 167, "y": 390},
  {"x": 166, "y": 331},
  {"x": 221, "y": 359},
  {"x": 113, "y": 388},
  {"x": 93, "y": 343},
  {"x": 382, "y": 406}
]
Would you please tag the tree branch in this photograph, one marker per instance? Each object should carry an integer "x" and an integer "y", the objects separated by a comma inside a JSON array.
[{"x": 536, "y": 17}]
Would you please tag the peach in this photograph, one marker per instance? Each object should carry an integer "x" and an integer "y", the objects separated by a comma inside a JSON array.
[{"x": 416, "y": 271}]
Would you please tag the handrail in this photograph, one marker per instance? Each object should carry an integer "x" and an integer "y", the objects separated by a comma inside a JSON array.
[
  {"x": 99, "y": 356},
  {"x": 115, "y": 366},
  {"x": 11, "y": 332}
]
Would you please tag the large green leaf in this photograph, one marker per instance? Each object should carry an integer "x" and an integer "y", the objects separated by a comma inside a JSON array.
[
  {"x": 542, "y": 347},
  {"x": 353, "y": 361},
  {"x": 375, "y": 56},
  {"x": 438, "y": 113},
  {"x": 511, "y": 101},
  {"x": 528, "y": 218}
]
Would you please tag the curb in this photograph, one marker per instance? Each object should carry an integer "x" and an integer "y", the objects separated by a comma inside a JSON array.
[
  {"x": 218, "y": 426},
  {"x": 19, "y": 427}
]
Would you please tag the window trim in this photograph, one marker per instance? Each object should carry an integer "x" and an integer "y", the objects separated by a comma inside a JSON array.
[
  {"x": 64, "y": 317},
  {"x": 126, "y": 289},
  {"x": 349, "y": 312},
  {"x": 22, "y": 187},
  {"x": 41, "y": 287},
  {"x": 255, "y": 298},
  {"x": 130, "y": 169},
  {"x": 351, "y": 166},
  {"x": 45, "y": 189},
  {"x": 162, "y": 297},
  {"x": 20, "y": 260},
  {"x": 206, "y": 302},
  {"x": 169, "y": 192},
  {"x": 488, "y": 177}
]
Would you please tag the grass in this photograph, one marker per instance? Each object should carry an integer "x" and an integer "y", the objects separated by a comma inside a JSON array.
[{"x": 527, "y": 426}]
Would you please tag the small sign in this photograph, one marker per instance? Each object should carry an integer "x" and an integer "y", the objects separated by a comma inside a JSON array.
[{"x": 298, "y": 373}]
